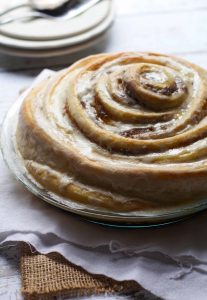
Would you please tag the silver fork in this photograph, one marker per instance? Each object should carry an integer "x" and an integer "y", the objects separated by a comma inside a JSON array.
[{"x": 69, "y": 14}]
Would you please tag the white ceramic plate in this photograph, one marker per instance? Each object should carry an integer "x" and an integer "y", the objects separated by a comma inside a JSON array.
[
  {"x": 45, "y": 30},
  {"x": 31, "y": 45},
  {"x": 52, "y": 52}
]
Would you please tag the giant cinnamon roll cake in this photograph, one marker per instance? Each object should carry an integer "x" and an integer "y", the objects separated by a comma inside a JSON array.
[{"x": 125, "y": 132}]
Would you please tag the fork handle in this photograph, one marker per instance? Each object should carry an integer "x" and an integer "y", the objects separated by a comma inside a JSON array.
[
  {"x": 33, "y": 14},
  {"x": 8, "y": 10}
]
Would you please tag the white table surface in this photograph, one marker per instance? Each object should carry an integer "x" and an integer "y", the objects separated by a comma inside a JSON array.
[{"x": 168, "y": 26}]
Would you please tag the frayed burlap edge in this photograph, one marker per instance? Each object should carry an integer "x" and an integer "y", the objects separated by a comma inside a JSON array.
[{"x": 49, "y": 275}]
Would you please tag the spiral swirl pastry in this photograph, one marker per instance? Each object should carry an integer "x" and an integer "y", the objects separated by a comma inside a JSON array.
[{"x": 124, "y": 131}]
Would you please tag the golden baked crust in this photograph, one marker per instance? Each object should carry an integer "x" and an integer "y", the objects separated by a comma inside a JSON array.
[{"x": 125, "y": 131}]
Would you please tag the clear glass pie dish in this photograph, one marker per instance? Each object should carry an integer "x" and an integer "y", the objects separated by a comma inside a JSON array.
[{"x": 93, "y": 214}]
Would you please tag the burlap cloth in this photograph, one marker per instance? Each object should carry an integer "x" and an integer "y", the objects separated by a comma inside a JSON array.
[{"x": 44, "y": 276}]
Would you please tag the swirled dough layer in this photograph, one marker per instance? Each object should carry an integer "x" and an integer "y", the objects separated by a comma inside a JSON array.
[{"x": 124, "y": 131}]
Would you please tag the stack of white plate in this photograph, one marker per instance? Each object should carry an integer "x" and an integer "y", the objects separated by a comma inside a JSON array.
[{"x": 47, "y": 38}]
